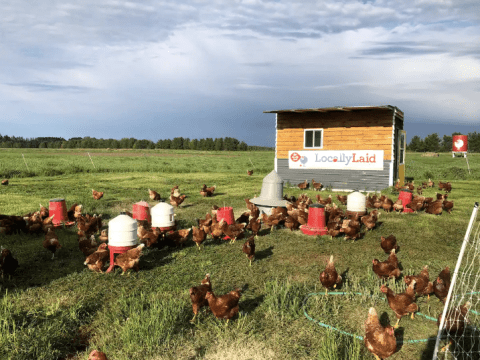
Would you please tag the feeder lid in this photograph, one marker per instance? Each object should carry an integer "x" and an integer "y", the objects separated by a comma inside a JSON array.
[
  {"x": 142, "y": 203},
  {"x": 406, "y": 190},
  {"x": 122, "y": 223},
  {"x": 316, "y": 206},
  {"x": 356, "y": 194},
  {"x": 273, "y": 178},
  {"x": 269, "y": 202},
  {"x": 57, "y": 200},
  {"x": 161, "y": 208}
]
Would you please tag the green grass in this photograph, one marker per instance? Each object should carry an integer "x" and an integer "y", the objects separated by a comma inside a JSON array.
[{"x": 50, "y": 309}]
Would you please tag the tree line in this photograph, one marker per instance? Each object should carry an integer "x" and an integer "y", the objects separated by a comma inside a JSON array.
[
  {"x": 208, "y": 144},
  {"x": 433, "y": 143}
]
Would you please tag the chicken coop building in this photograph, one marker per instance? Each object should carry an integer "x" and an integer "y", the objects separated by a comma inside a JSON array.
[{"x": 345, "y": 148}]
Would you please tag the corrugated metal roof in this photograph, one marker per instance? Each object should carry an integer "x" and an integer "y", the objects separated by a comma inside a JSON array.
[{"x": 337, "y": 108}]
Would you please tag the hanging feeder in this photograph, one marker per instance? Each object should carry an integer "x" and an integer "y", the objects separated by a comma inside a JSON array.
[{"x": 271, "y": 195}]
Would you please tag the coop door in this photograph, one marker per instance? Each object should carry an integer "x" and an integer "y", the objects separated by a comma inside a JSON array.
[{"x": 401, "y": 150}]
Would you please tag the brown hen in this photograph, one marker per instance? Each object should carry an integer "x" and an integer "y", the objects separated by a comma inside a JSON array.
[
  {"x": 129, "y": 259},
  {"x": 379, "y": 340},
  {"x": 97, "y": 260},
  {"x": 225, "y": 306},
  {"x": 401, "y": 304},
  {"x": 97, "y": 195},
  {"x": 197, "y": 295},
  {"x": 329, "y": 277}
]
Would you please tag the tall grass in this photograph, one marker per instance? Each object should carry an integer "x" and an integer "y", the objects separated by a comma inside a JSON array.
[
  {"x": 45, "y": 333},
  {"x": 42, "y": 162},
  {"x": 142, "y": 324}
]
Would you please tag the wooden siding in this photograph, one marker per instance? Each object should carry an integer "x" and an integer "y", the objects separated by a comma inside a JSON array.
[
  {"x": 354, "y": 130},
  {"x": 362, "y": 180}
]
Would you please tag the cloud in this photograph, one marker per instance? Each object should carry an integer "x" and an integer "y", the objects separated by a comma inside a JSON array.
[
  {"x": 171, "y": 67},
  {"x": 50, "y": 87}
]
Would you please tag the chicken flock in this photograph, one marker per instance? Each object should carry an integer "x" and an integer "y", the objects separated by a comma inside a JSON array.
[{"x": 380, "y": 340}]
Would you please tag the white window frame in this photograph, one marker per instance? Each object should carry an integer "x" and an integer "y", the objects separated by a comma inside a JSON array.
[
  {"x": 401, "y": 148},
  {"x": 305, "y": 135}
]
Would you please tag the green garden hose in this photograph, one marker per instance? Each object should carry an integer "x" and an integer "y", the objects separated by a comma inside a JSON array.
[{"x": 353, "y": 335}]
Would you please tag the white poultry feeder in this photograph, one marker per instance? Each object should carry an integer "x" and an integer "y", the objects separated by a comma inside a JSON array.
[
  {"x": 163, "y": 216},
  {"x": 271, "y": 195},
  {"x": 356, "y": 203},
  {"x": 122, "y": 231}
]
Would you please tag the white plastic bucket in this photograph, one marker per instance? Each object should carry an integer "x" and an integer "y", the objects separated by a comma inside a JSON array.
[
  {"x": 163, "y": 215},
  {"x": 122, "y": 231},
  {"x": 356, "y": 203}
]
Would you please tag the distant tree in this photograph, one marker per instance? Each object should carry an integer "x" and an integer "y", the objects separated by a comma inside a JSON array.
[
  {"x": 72, "y": 144},
  {"x": 230, "y": 144},
  {"x": 218, "y": 144},
  {"x": 87, "y": 142},
  {"x": 177, "y": 143},
  {"x": 143, "y": 144},
  {"x": 193, "y": 144},
  {"x": 42, "y": 145},
  {"x": 416, "y": 144},
  {"x": 242, "y": 146},
  {"x": 113, "y": 144},
  {"x": 138, "y": 145},
  {"x": 208, "y": 145},
  {"x": 127, "y": 143},
  {"x": 432, "y": 143},
  {"x": 474, "y": 142},
  {"x": 446, "y": 145}
]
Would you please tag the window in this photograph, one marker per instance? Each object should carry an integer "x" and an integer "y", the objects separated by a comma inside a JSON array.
[
  {"x": 402, "y": 148},
  {"x": 313, "y": 138}
]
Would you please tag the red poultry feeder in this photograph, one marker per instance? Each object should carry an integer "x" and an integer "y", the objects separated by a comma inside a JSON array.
[
  {"x": 58, "y": 208},
  {"x": 116, "y": 250},
  {"x": 141, "y": 211},
  {"x": 316, "y": 221},
  {"x": 226, "y": 213},
  {"x": 406, "y": 197}
]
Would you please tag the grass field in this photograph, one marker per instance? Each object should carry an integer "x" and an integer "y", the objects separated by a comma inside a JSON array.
[{"x": 53, "y": 309}]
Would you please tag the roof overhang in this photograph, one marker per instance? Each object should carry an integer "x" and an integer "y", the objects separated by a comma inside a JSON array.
[{"x": 338, "y": 108}]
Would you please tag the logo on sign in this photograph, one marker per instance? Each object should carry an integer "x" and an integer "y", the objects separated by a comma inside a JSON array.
[{"x": 295, "y": 157}]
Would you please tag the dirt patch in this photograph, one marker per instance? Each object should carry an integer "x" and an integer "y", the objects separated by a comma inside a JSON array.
[{"x": 251, "y": 350}]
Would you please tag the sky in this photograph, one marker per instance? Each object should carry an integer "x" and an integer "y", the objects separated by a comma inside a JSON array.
[{"x": 209, "y": 68}]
